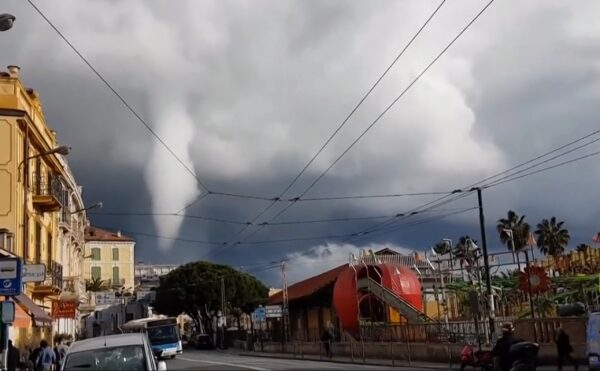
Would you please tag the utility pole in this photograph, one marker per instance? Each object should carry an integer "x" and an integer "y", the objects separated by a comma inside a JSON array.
[
  {"x": 285, "y": 314},
  {"x": 486, "y": 265}
]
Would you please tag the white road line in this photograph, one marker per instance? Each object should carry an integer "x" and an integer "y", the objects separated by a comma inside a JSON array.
[{"x": 224, "y": 364}]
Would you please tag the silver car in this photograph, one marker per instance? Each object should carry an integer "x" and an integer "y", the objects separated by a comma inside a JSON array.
[{"x": 131, "y": 352}]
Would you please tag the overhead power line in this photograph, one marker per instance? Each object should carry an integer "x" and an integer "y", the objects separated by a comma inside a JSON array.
[
  {"x": 387, "y": 109},
  {"x": 211, "y": 219},
  {"x": 144, "y": 234},
  {"x": 343, "y": 123}
]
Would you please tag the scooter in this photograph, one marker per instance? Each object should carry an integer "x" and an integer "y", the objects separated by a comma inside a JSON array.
[
  {"x": 525, "y": 355},
  {"x": 483, "y": 359}
]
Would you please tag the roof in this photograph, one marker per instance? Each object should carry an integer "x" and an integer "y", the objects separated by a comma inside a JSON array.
[
  {"x": 98, "y": 234},
  {"x": 107, "y": 341},
  {"x": 309, "y": 286}
]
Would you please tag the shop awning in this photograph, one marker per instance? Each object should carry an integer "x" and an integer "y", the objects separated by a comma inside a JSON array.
[{"x": 38, "y": 315}]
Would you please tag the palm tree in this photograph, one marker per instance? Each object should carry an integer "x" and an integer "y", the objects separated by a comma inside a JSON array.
[
  {"x": 95, "y": 284},
  {"x": 464, "y": 252},
  {"x": 520, "y": 231},
  {"x": 552, "y": 237},
  {"x": 441, "y": 248}
]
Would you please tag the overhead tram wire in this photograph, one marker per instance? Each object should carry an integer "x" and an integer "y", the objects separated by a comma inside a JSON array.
[
  {"x": 387, "y": 109},
  {"x": 524, "y": 163},
  {"x": 139, "y": 118},
  {"x": 206, "y": 218},
  {"x": 144, "y": 234},
  {"x": 356, "y": 107}
]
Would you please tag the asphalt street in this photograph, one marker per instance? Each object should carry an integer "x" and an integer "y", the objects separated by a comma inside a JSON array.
[{"x": 211, "y": 360}]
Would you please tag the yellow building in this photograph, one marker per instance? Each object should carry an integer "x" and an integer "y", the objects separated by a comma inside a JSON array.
[
  {"x": 34, "y": 203},
  {"x": 110, "y": 257}
]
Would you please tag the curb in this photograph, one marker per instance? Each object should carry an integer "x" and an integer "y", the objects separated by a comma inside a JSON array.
[{"x": 367, "y": 363}]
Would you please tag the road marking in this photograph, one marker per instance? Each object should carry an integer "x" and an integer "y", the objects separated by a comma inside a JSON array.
[{"x": 224, "y": 364}]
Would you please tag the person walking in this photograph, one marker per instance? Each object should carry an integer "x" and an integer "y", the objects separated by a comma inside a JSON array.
[
  {"x": 564, "y": 349},
  {"x": 501, "y": 351},
  {"x": 14, "y": 357},
  {"x": 46, "y": 357},
  {"x": 326, "y": 338}
]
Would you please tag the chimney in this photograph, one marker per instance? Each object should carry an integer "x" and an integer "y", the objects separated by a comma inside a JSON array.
[
  {"x": 118, "y": 233},
  {"x": 14, "y": 71}
]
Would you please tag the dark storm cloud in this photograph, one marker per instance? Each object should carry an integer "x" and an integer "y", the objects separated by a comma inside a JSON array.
[{"x": 246, "y": 92}]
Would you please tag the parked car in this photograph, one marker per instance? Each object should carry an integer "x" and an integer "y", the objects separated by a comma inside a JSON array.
[{"x": 131, "y": 352}]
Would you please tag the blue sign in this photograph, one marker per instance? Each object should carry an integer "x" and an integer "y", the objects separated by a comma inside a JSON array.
[
  {"x": 259, "y": 314},
  {"x": 11, "y": 280}
]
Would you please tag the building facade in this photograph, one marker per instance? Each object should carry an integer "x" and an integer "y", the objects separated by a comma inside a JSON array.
[
  {"x": 110, "y": 257},
  {"x": 36, "y": 186}
]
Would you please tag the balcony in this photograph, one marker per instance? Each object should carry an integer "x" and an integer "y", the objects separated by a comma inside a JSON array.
[
  {"x": 48, "y": 193},
  {"x": 54, "y": 281}
]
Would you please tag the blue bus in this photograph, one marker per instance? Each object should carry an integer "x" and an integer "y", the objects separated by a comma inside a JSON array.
[{"x": 162, "y": 333}]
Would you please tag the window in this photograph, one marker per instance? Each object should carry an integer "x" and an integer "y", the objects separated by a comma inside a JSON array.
[
  {"x": 115, "y": 277},
  {"x": 96, "y": 253},
  {"x": 115, "y": 251},
  {"x": 96, "y": 273}
]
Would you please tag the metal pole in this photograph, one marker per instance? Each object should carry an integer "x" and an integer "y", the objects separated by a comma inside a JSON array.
[{"x": 486, "y": 264}]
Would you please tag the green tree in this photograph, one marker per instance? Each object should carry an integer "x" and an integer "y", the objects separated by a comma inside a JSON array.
[
  {"x": 95, "y": 284},
  {"x": 520, "y": 231},
  {"x": 464, "y": 251},
  {"x": 552, "y": 237},
  {"x": 195, "y": 289}
]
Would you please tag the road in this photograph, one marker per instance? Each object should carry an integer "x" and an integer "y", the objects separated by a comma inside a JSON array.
[{"x": 210, "y": 360}]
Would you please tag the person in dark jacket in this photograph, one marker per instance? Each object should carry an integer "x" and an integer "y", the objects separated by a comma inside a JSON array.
[
  {"x": 14, "y": 357},
  {"x": 564, "y": 349},
  {"x": 501, "y": 350}
]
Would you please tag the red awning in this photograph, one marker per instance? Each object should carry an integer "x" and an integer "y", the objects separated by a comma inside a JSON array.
[{"x": 38, "y": 315}]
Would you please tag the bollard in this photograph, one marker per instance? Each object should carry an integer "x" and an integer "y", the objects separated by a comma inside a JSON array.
[
  {"x": 392, "y": 352},
  {"x": 363, "y": 349},
  {"x": 352, "y": 350}
]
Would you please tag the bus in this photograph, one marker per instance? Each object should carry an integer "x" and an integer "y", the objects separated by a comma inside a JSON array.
[{"x": 162, "y": 333}]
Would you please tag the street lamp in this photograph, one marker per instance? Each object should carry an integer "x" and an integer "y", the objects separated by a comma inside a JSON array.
[
  {"x": 97, "y": 205},
  {"x": 61, "y": 150},
  {"x": 6, "y": 21}
]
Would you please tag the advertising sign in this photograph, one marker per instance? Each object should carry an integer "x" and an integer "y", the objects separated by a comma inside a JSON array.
[
  {"x": 64, "y": 309},
  {"x": 259, "y": 314},
  {"x": 10, "y": 277},
  {"x": 34, "y": 272}
]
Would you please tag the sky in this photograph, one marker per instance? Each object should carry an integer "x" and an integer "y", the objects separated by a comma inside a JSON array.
[{"x": 244, "y": 93}]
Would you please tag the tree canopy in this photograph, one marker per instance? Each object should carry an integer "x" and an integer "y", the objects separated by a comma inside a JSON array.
[
  {"x": 552, "y": 237},
  {"x": 520, "y": 231},
  {"x": 195, "y": 289}
]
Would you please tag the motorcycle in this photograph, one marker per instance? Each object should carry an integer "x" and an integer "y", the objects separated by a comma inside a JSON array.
[
  {"x": 525, "y": 355},
  {"x": 483, "y": 359}
]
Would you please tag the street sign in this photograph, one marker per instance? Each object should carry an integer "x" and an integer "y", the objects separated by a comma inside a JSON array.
[
  {"x": 8, "y": 311},
  {"x": 34, "y": 272},
  {"x": 106, "y": 298},
  {"x": 259, "y": 314},
  {"x": 273, "y": 311},
  {"x": 10, "y": 277}
]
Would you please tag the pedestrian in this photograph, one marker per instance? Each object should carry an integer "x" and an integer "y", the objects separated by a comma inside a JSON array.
[
  {"x": 501, "y": 351},
  {"x": 33, "y": 355},
  {"x": 13, "y": 357},
  {"x": 564, "y": 349},
  {"x": 326, "y": 338},
  {"x": 46, "y": 357}
]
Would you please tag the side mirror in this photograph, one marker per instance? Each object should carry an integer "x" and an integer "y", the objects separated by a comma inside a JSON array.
[
  {"x": 162, "y": 366},
  {"x": 157, "y": 352}
]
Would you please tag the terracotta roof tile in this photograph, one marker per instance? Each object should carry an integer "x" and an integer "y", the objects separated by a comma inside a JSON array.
[{"x": 98, "y": 234}]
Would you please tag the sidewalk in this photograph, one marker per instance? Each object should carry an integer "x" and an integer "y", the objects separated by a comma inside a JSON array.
[{"x": 377, "y": 362}]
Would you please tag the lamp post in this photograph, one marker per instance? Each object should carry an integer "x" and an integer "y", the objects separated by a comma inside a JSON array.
[
  {"x": 97, "y": 205},
  {"x": 6, "y": 21},
  {"x": 61, "y": 150}
]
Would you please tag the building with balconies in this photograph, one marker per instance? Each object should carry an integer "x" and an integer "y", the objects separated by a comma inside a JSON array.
[
  {"x": 35, "y": 187},
  {"x": 110, "y": 257}
]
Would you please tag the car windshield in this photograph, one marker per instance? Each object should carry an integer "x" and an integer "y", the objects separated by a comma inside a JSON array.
[
  {"x": 130, "y": 357},
  {"x": 163, "y": 335}
]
